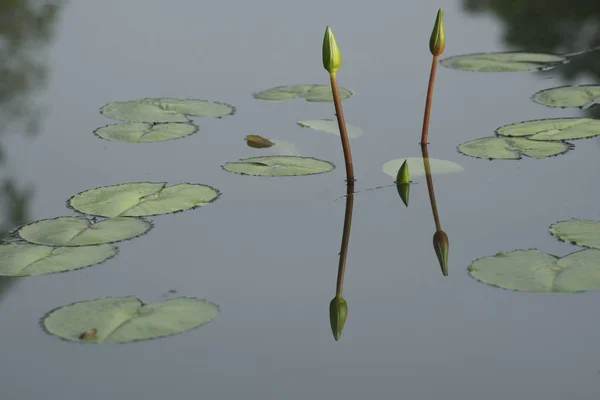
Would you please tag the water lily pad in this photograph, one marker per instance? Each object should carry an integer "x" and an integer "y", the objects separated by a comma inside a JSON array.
[
  {"x": 416, "y": 167},
  {"x": 279, "y": 166},
  {"x": 582, "y": 96},
  {"x": 511, "y": 148},
  {"x": 127, "y": 319},
  {"x": 331, "y": 126},
  {"x": 503, "y": 62},
  {"x": 144, "y": 132},
  {"x": 533, "y": 271},
  {"x": 140, "y": 199},
  {"x": 311, "y": 93},
  {"x": 554, "y": 129},
  {"x": 80, "y": 231},
  {"x": 165, "y": 110},
  {"x": 578, "y": 231},
  {"x": 24, "y": 259}
]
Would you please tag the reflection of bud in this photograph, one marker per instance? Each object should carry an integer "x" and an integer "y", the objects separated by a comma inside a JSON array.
[
  {"x": 438, "y": 39},
  {"x": 403, "y": 175},
  {"x": 332, "y": 58},
  {"x": 338, "y": 311},
  {"x": 440, "y": 244},
  {"x": 404, "y": 192}
]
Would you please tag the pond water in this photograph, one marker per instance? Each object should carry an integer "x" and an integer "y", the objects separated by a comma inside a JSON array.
[{"x": 267, "y": 251}]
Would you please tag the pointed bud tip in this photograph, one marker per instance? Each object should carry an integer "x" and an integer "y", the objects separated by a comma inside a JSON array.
[
  {"x": 441, "y": 247},
  {"x": 437, "y": 42},
  {"x": 403, "y": 175},
  {"x": 332, "y": 58}
]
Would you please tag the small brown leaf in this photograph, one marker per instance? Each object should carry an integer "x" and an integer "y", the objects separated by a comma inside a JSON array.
[
  {"x": 88, "y": 334},
  {"x": 258, "y": 142}
]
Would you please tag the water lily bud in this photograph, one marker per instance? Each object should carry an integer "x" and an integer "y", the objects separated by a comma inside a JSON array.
[
  {"x": 403, "y": 175},
  {"x": 332, "y": 58},
  {"x": 404, "y": 192},
  {"x": 440, "y": 244},
  {"x": 438, "y": 39},
  {"x": 338, "y": 311}
]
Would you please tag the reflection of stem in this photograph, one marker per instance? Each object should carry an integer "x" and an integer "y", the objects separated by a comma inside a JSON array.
[
  {"x": 425, "y": 132},
  {"x": 427, "y": 167},
  {"x": 345, "y": 238},
  {"x": 339, "y": 113}
]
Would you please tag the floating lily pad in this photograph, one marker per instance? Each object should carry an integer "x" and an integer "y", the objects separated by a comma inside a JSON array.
[
  {"x": 511, "y": 148},
  {"x": 127, "y": 319},
  {"x": 140, "y": 199},
  {"x": 578, "y": 231},
  {"x": 503, "y": 62},
  {"x": 331, "y": 126},
  {"x": 24, "y": 259},
  {"x": 80, "y": 231},
  {"x": 554, "y": 129},
  {"x": 165, "y": 110},
  {"x": 582, "y": 96},
  {"x": 533, "y": 271},
  {"x": 279, "y": 166},
  {"x": 416, "y": 167},
  {"x": 144, "y": 132},
  {"x": 312, "y": 93}
]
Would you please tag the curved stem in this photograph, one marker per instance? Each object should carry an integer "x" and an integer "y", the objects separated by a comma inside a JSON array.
[
  {"x": 345, "y": 238},
  {"x": 425, "y": 132},
  {"x": 429, "y": 179},
  {"x": 339, "y": 113}
]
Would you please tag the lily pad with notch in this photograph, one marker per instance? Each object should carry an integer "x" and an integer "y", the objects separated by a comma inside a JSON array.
[
  {"x": 553, "y": 129},
  {"x": 504, "y": 62},
  {"x": 416, "y": 167},
  {"x": 511, "y": 148},
  {"x": 583, "y": 96},
  {"x": 310, "y": 93},
  {"x": 580, "y": 232},
  {"x": 279, "y": 166},
  {"x": 145, "y": 132},
  {"x": 331, "y": 126}
]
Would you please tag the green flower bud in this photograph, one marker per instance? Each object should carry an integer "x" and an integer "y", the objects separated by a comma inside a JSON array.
[
  {"x": 403, "y": 175},
  {"x": 332, "y": 58},
  {"x": 338, "y": 311},
  {"x": 440, "y": 245},
  {"x": 438, "y": 39}
]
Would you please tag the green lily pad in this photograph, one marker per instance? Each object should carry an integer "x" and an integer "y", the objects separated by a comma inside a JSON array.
[
  {"x": 331, "y": 126},
  {"x": 165, "y": 110},
  {"x": 582, "y": 96},
  {"x": 511, "y": 148},
  {"x": 578, "y": 231},
  {"x": 25, "y": 259},
  {"x": 279, "y": 166},
  {"x": 553, "y": 129},
  {"x": 140, "y": 199},
  {"x": 416, "y": 167},
  {"x": 127, "y": 319},
  {"x": 311, "y": 93},
  {"x": 533, "y": 271},
  {"x": 80, "y": 231},
  {"x": 144, "y": 132},
  {"x": 503, "y": 62}
]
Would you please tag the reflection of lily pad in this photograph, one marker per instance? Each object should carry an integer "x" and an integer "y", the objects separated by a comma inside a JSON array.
[
  {"x": 165, "y": 110},
  {"x": 279, "y": 166},
  {"x": 80, "y": 231},
  {"x": 533, "y": 271},
  {"x": 503, "y": 62},
  {"x": 416, "y": 167},
  {"x": 127, "y": 319},
  {"x": 312, "y": 93},
  {"x": 142, "y": 199},
  {"x": 331, "y": 126},
  {"x": 578, "y": 231},
  {"x": 144, "y": 132},
  {"x": 553, "y": 129},
  {"x": 511, "y": 148},
  {"x": 24, "y": 259},
  {"x": 569, "y": 96}
]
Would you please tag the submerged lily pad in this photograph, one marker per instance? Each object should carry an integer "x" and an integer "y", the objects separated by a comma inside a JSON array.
[
  {"x": 24, "y": 259},
  {"x": 279, "y": 166},
  {"x": 503, "y": 62},
  {"x": 331, "y": 126},
  {"x": 144, "y": 132},
  {"x": 511, "y": 148},
  {"x": 165, "y": 110},
  {"x": 554, "y": 129},
  {"x": 416, "y": 167},
  {"x": 533, "y": 271},
  {"x": 140, "y": 199},
  {"x": 582, "y": 96},
  {"x": 311, "y": 93},
  {"x": 578, "y": 231},
  {"x": 127, "y": 319},
  {"x": 80, "y": 231}
]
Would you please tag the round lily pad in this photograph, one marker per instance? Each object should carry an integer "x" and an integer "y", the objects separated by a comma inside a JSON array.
[
  {"x": 504, "y": 62},
  {"x": 331, "y": 126},
  {"x": 416, "y": 167},
  {"x": 279, "y": 166},
  {"x": 578, "y": 231},
  {"x": 127, "y": 319},
  {"x": 582, "y": 96},
  {"x": 511, "y": 148},
  {"x": 144, "y": 132},
  {"x": 165, "y": 110},
  {"x": 80, "y": 231},
  {"x": 142, "y": 199},
  {"x": 311, "y": 93},
  {"x": 554, "y": 129},
  {"x": 24, "y": 259}
]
